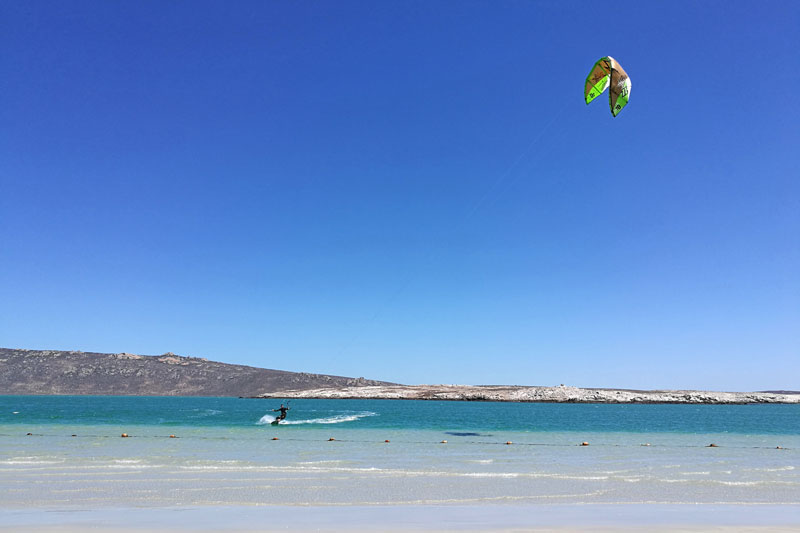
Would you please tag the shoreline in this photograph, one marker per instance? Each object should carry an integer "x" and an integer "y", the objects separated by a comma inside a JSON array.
[
  {"x": 423, "y": 518},
  {"x": 526, "y": 394}
]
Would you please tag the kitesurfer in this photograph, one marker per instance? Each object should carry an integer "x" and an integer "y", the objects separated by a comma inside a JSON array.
[{"x": 283, "y": 410}]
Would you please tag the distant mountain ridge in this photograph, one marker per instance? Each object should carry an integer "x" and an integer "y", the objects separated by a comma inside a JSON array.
[{"x": 74, "y": 372}]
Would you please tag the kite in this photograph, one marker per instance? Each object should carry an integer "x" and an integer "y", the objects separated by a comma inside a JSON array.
[{"x": 604, "y": 74}]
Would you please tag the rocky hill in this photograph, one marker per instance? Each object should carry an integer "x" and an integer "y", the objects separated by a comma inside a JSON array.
[
  {"x": 60, "y": 372},
  {"x": 561, "y": 394}
]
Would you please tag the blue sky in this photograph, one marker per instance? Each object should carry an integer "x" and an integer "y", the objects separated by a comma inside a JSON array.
[{"x": 407, "y": 191}]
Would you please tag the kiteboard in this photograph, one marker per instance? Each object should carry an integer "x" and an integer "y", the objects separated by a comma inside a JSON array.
[{"x": 275, "y": 422}]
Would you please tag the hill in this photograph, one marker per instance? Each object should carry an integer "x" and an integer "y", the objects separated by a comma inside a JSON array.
[{"x": 72, "y": 372}]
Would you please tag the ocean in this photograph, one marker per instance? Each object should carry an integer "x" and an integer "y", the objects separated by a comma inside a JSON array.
[{"x": 66, "y": 452}]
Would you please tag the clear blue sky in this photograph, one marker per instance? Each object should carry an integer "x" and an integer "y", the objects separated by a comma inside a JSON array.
[{"x": 408, "y": 191}]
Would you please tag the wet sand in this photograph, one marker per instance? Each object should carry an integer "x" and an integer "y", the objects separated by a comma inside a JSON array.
[{"x": 541, "y": 518}]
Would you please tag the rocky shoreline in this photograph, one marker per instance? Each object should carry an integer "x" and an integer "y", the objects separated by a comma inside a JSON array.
[{"x": 560, "y": 394}]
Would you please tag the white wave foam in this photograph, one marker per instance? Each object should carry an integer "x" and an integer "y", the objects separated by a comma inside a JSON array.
[
  {"x": 29, "y": 462},
  {"x": 776, "y": 469},
  {"x": 753, "y": 483},
  {"x": 581, "y": 478},
  {"x": 266, "y": 419},
  {"x": 332, "y": 461},
  {"x": 227, "y": 468},
  {"x": 492, "y": 475},
  {"x": 136, "y": 466},
  {"x": 336, "y": 419}
]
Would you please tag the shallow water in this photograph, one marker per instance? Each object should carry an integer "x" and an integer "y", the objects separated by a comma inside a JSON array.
[
  {"x": 224, "y": 453},
  {"x": 767, "y": 419}
]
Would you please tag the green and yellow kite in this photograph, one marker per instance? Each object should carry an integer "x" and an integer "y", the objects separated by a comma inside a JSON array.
[{"x": 607, "y": 72}]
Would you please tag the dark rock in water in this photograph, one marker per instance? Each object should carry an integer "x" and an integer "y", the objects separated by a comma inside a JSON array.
[
  {"x": 465, "y": 434},
  {"x": 60, "y": 372}
]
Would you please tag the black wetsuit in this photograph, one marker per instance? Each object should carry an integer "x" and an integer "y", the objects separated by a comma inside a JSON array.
[{"x": 283, "y": 410}]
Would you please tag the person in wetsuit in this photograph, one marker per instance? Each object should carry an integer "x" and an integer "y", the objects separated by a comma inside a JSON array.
[{"x": 283, "y": 410}]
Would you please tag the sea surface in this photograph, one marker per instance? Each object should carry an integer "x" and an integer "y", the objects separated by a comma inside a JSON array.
[{"x": 66, "y": 452}]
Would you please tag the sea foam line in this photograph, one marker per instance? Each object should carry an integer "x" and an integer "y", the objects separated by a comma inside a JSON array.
[{"x": 336, "y": 419}]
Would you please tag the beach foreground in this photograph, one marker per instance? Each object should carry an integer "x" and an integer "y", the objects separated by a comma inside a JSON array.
[
  {"x": 557, "y": 518},
  {"x": 218, "y": 464}
]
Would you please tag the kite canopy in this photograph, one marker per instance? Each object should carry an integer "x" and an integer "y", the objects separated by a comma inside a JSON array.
[{"x": 608, "y": 74}]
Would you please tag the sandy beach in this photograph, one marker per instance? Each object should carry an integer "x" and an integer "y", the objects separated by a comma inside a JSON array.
[
  {"x": 479, "y": 518},
  {"x": 382, "y": 465}
]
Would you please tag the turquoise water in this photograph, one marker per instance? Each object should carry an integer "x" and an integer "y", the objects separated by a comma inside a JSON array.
[
  {"x": 227, "y": 453},
  {"x": 765, "y": 419}
]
